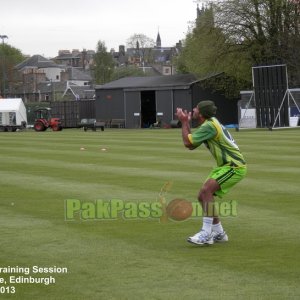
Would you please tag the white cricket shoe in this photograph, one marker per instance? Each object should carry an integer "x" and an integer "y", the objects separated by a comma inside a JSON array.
[
  {"x": 201, "y": 238},
  {"x": 219, "y": 237}
]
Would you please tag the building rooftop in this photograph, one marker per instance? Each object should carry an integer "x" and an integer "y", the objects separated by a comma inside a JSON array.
[{"x": 150, "y": 82}]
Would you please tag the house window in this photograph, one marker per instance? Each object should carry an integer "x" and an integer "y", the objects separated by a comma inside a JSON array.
[{"x": 57, "y": 77}]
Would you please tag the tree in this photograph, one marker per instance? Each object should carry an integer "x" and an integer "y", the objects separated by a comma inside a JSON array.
[
  {"x": 206, "y": 52},
  {"x": 127, "y": 71},
  {"x": 9, "y": 57},
  {"x": 141, "y": 40},
  {"x": 232, "y": 35},
  {"x": 268, "y": 30},
  {"x": 142, "y": 45},
  {"x": 104, "y": 64}
]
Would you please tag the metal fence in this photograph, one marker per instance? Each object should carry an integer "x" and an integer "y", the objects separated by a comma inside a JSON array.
[
  {"x": 247, "y": 108},
  {"x": 71, "y": 112}
]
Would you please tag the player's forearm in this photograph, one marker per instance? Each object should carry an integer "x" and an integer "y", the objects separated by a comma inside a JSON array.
[{"x": 186, "y": 130}]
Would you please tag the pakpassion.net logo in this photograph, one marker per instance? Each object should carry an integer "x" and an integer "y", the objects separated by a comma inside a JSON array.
[{"x": 177, "y": 210}]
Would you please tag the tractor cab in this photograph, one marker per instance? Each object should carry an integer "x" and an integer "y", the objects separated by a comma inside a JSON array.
[
  {"x": 43, "y": 113},
  {"x": 44, "y": 120}
]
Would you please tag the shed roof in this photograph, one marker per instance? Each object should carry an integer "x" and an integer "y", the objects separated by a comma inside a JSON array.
[{"x": 174, "y": 81}]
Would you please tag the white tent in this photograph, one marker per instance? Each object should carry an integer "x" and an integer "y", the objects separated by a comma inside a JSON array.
[{"x": 12, "y": 112}]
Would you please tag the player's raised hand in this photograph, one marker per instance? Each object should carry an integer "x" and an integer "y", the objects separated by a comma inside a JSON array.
[{"x": 183, "y": 115}]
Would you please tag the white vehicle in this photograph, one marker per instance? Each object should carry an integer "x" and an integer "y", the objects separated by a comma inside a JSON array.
[{"x": 13, "y": 114}]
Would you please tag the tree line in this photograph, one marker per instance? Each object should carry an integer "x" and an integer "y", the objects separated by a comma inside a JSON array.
[{"x": 231, "y": 36}]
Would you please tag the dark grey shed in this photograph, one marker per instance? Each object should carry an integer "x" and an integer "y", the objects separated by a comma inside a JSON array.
[{"x": 140, "y": 101}]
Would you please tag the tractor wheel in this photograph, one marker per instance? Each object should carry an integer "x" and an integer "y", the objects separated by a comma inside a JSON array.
[{"x": 39, "y": 126}]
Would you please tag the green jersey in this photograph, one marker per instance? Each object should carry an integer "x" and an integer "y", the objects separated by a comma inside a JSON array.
[{"x": 219, "y": 142}]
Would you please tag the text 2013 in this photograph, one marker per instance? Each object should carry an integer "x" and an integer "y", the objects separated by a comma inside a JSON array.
[{"x": 7, "y": 290}]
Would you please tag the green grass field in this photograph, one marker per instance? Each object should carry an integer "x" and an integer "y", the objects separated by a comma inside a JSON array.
[{"x": 143, "y": 258}]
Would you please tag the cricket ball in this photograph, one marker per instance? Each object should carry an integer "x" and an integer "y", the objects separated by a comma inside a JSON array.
[{"x": 179, "y": 209}]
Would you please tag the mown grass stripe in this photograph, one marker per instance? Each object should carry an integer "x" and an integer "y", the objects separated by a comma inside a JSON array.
[{"x": 38, "y": 171}]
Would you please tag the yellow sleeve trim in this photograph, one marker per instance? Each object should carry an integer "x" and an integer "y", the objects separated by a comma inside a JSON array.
[
  {"x": 190, "y": 138},
  {"x": 218, "y": 128}
]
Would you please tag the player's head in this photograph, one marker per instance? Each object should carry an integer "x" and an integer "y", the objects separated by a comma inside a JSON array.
[{"x": 207, "y": 109}]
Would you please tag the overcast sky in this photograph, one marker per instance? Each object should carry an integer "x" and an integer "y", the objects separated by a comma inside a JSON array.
[{"x": 44, "y": 27}]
